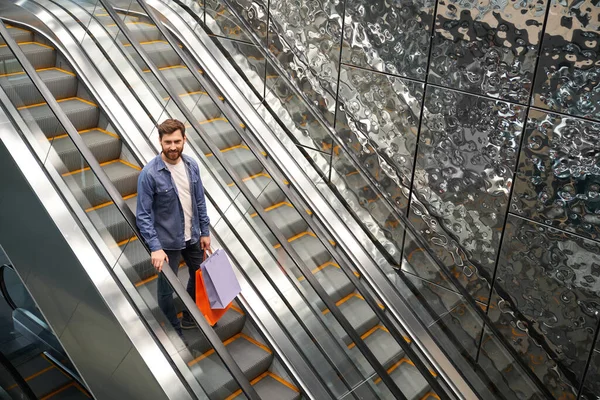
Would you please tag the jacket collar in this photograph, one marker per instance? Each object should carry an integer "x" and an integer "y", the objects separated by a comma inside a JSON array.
[{"x": 163, "y": 165}]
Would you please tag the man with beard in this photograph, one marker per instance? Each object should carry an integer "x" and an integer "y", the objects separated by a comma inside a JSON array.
[{"x": 171, "y": 215}]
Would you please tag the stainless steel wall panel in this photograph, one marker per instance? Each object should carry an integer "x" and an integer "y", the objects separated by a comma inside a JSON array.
[
  {"x": 568, "y": 74},
  {"x": 591, "y": 389},
  {"x": 468, "y": 149},
  {"x": 545, "y": 300},
  {"x": 255, "y": 12},
  {"x": 558, "y": 179},
  {"x": 386, "y": 36},
  {"x": 487, "y": 48},
  {"x": 380, "y": 114}
]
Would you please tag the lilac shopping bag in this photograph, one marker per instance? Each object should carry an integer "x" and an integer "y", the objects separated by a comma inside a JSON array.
[{"x": 219, "y": 280}]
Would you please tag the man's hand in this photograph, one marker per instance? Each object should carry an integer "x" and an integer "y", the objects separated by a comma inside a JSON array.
[
  {"x": 205, "y": 242},
  {"x": 158, "y": 258}
]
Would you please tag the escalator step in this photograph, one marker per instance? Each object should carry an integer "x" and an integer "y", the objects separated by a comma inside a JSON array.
[
  {"x": 286, "y": 218},
  {"x": 87, "y": 188},
  {"x": 201, "y": 106},
  {"x": 270, "y": 386},
  {"x": 216, "y": 380},
  {"x": 384, "y": 347},
  {"x": 141, "y": 31},
  {"x": 241, "y": 160},
  {"x": 105, "y": 146},
  {"x": 358, "y": 313},
  {"x": 409, "y": 380},
  {"x": 21, "y": 91},
  {"x": 263, "y": 188},
  {"x": 310, "y": 249},
  {"x": 179, "y": 77},
  {"x": 107, "y": 217},
  {"x": 160, "y": 52},
  {"x": 334, "y": 281},
  {"x": 229, "y": 325},
  {"x": 18, "y": 34},
  {"x": 82, "y": 114},
  {"x": 68, "y": 392},
  {"x": 221, "y": 132},
  {"x": 40, "y": 56},
  {"x": 42, "y": 377}
]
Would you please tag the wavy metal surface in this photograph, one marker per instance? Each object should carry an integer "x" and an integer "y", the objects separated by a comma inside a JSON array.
[
  {"x": 467, "y": 154},
  {"x": 551, "y": 310},
  {"x": 558, "y": 179},
  {"x": 568, "y": 75},
  {"x": 487, "y": 47},
  {"x": 388, "y": 36}
]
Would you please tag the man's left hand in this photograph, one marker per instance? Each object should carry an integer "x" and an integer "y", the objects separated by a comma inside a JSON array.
[{"x": 205, "y": 242}]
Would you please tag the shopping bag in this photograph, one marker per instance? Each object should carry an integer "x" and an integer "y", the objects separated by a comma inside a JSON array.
[
  {"x": 220, "y": 281},
  {"x": 212, "y": 316}
]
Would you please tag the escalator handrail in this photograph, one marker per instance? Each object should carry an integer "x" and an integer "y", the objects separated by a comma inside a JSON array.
[
  {"x": 13, "y": 305},
  {"x": 393, "y": 208},
  {"x": 4, "y": 289},
  {"x": 67, "y": 371},
  {"x": 17, "y": 377},
  {"x": 228, "y": 112},
  {"x": 116, "y": 198}
]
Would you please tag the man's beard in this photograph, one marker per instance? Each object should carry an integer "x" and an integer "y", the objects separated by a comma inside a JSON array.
[{"x": 173, "y": 154}]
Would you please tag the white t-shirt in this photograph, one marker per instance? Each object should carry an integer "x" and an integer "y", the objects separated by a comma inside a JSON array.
[{"x": 179, "y": 174}]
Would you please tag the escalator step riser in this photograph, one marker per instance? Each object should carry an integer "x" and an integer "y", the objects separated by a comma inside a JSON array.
[
  {"x": 161, "y": 54},
  {"x": 19, "y": 35},
  {"x": 24, "y": 93},
  {"x": 82, "y": 116},
  {"x": 141, "y": 32},
  {"x": 102, "y": 151}
]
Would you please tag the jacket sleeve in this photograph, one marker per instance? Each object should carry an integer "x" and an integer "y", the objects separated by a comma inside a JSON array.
[
  {"x": 144, "y": 214},
  {"x": 201, "y": 204}
]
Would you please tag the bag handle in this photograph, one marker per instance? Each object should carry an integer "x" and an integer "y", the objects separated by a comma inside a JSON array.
[{"x": 204, "y": 254}]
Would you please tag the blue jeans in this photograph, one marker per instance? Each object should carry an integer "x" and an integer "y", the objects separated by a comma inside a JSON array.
[{"x": 192, "y": 255}]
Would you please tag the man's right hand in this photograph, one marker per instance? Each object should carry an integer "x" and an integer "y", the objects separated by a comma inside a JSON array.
[{"x": 158, "y": 258}]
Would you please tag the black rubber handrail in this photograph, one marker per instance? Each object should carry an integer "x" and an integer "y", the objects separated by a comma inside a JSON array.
[
  {"x": 67, "y": 371},
  {"x": 16, "y": 376},
  {"x": 127, "y": 214},
  {"x": 238, "y": 126},
  {"x": 392, "y": 207},
  {"x": 3, "y": 289}
]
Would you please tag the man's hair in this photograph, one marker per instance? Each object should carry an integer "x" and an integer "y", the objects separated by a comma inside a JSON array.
[{"x": 169, "y": 126}]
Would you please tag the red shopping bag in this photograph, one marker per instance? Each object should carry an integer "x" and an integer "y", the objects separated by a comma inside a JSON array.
[{"x": 212, "y": 316}]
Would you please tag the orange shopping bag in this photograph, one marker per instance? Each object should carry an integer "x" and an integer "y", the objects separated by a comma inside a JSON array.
[{"x": 212, "y": 316}]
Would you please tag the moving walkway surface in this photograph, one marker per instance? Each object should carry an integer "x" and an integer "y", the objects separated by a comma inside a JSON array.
[{"x": 251, "y": 354}]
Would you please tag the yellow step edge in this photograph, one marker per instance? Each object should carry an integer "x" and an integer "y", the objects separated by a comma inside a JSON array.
[
  {"x": 108, "y": 203},
  {"x": 260, "y": 378},
  {"x": 239, "y": 335},
  {"x": 296, "y": 237},
  {"x": 345, "y": 299},
  {"x": 430, "y": 395},
  {"x": 64, "y": 135},
  {"x": 147, "y": 42},
  {"x": 153, "y": 277},
  {"x": 38, "y": 70},
  {"x": 59, "y": 390},
  {"x": 237, "y": 146},
  {"x": 367, "y": 334},
  {"x": 102, "y": 165},
  {"x": 59, "y": 101},
  {"x": 26, "y": 43},
  {"x": 33, "y": 376},
  {"x": 274, "y": 207}
]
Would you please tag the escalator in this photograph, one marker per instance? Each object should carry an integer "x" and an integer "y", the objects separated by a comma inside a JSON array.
[
  {"x": 271, "y": 198},
  {"x": 250, "y": 352},
  {"x": 31, "y": 347}
]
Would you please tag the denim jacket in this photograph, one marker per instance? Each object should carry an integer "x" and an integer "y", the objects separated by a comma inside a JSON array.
[{"x": 159, "y": 214}]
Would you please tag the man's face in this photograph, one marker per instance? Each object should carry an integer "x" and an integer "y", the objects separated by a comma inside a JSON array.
[{"x": 172, "y": 145}]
